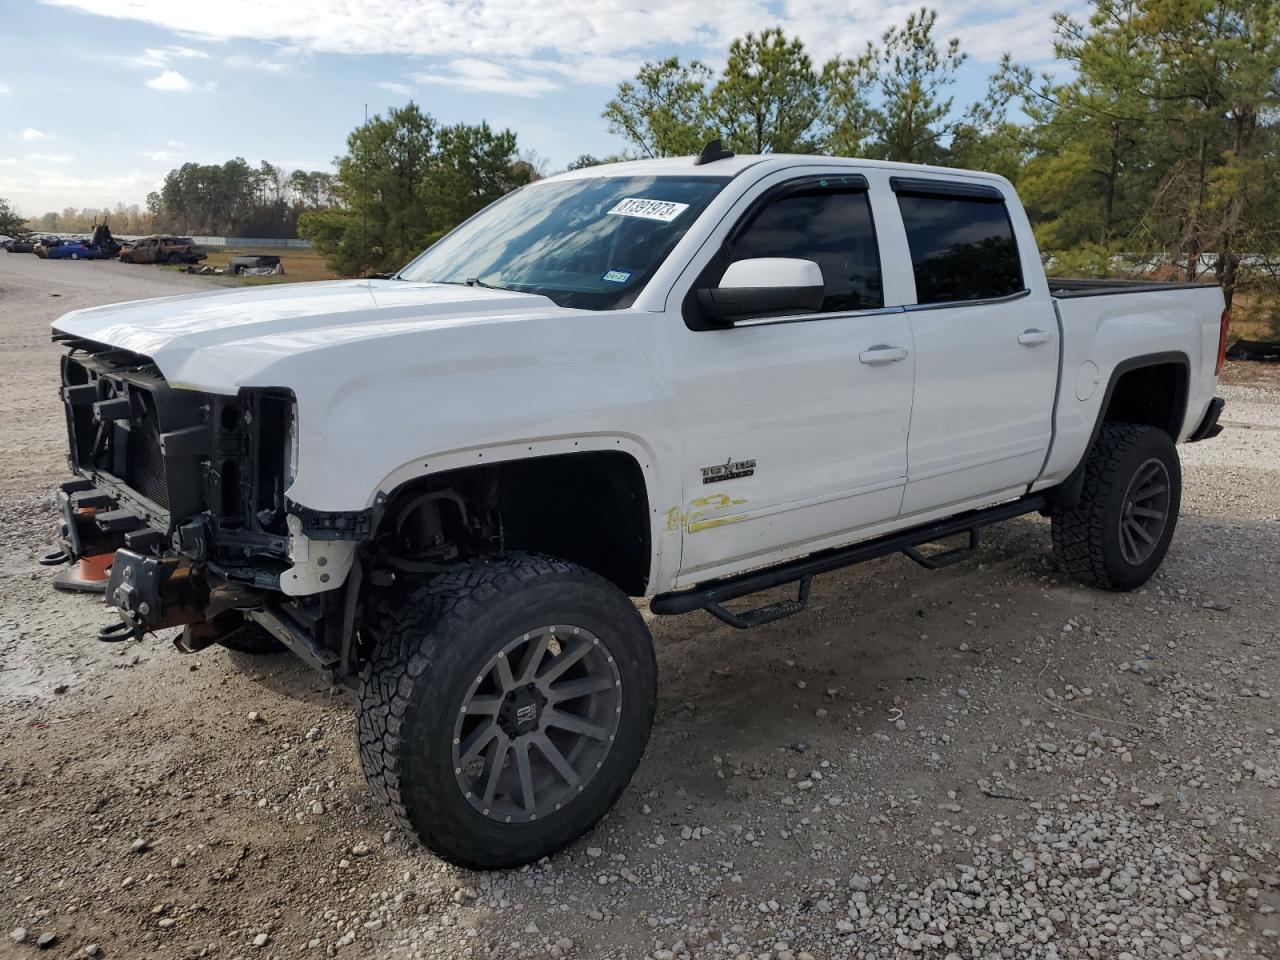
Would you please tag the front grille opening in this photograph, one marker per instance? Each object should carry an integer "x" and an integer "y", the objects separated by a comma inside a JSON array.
[
  {"x": 274, "y": 414},
  {"x": 229, "y": 484},
  {"x": 229, "y": 418},
  {"x": 145, "y": 466}
]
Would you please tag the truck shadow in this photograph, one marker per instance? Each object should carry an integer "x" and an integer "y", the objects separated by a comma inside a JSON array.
[
  {"x": 883, "y": 640},
  {"x": 282, "y": 674}
]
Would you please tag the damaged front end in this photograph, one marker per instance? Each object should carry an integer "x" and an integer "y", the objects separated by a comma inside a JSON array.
[{"x": 184, "y": 491}]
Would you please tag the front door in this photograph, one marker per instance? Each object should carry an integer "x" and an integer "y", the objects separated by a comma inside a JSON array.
[{"x": 794, "y": 428}]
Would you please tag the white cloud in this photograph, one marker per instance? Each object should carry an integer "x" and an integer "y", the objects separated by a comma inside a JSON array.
[
  {"x": 31, "y": 133},
  {"x": 163, "y": 56},
  {"x": 238, "y": 61},
  {"x": 599, "y": 39},
  {"x": 606, "y": 70},
  {"x": 170, "y": 80},
  {"x": 482, "y": 76},
  {"x": 3, "y": 89},
  {"x": 50, "y": 157},
  {"x": 518, "y": 49}
]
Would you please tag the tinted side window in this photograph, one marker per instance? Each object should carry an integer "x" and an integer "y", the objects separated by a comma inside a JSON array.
[
  {"x": 832, "y": 229},
  {"x": 961, "y": 249}
]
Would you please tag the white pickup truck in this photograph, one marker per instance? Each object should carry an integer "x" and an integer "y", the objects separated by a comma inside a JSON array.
[{"x": 688, "y": 379}]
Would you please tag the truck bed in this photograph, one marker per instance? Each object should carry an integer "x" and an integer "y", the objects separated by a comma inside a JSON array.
[{"x": 1064, "y": 288}]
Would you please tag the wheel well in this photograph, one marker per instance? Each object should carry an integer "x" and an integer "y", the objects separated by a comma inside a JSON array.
[
  {"x": 1154, "y": 394},
  {"x": 588, "y": 508}
]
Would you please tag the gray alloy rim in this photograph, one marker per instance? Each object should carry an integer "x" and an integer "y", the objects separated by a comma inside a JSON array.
[
  {"x": 1145, "y": 511},
  {"x": 537, "y": 723}
]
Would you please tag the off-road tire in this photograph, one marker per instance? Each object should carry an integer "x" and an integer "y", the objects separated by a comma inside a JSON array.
[
  {"x": 428, "y": 645},
  {"x": 1087, "y": 537}
]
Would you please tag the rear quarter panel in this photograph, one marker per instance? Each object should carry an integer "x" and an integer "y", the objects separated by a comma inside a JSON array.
[{"x": 1101, "y": 333}]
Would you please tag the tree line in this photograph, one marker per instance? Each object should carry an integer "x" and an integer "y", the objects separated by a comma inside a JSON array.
[
  {"x": 209, "y": 199},
  {"x": 1161, "y": 148},
  {"x": 238, "y": 199},
  {"x": 125, "y": 219},
  {"x": 404, "y": 182}
]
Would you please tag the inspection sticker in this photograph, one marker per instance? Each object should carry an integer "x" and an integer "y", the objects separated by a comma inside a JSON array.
[
  {"x": 664, "y": 210},
  {"x": 617, "y": 276}
]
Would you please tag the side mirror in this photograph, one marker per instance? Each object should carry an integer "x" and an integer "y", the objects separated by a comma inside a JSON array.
[{"x": 764, "y": 287}]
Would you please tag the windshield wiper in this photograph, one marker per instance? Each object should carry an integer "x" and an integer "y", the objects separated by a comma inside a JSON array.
[
  {"x": 469, "y": 282},
  {"x": 477, "y": 282}
]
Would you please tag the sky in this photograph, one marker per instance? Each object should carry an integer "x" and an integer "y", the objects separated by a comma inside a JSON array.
[{"x": 99, "y": 99}]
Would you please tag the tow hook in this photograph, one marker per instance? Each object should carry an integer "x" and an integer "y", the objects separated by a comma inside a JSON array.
[{"x": 118, "y": 631}]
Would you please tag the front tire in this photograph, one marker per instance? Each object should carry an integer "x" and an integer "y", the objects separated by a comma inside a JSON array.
[
  {"x": 505, "y": 707},
  {"x": 1117, "y": 535}
]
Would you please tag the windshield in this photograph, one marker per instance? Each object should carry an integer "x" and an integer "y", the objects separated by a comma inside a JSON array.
[{"x": 591, "y": 243}]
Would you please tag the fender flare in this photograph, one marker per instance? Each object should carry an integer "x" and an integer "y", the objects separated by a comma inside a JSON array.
[
  {"x": 660, "y": 488},
  {"x": 1067, "y": 493}
]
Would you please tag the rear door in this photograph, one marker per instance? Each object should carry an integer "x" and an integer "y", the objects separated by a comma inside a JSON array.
[
  {"x": 986, "y": 340},
  {"x": 794, "y": 428}
]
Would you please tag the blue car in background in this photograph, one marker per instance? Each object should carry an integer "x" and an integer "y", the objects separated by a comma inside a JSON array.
[{"x": 69, "y": 250}]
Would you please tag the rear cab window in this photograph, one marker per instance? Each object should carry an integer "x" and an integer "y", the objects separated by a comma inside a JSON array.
[{"x": 962, "y": 242}]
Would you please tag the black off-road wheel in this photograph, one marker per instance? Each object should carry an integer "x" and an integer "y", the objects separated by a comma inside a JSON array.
[
  {"x": 1118, "y": 534},
  {"x": 505, "y": 707}
]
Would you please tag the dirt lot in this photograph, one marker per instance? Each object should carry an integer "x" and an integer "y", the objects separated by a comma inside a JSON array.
[{"x": 988, "y": 761}]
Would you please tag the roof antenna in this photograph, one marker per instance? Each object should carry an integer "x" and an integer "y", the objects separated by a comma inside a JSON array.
[
  {"x": 364, "y": 202},
  {"x": 712, "y": 152}
]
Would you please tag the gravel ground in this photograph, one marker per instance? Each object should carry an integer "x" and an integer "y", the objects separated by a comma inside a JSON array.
[{"x": 987, "y": 761}]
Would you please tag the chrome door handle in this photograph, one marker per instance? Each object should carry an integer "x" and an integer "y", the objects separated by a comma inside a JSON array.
[
  {"x": 1033, "y": 338},
  {"x": 879, "y": 355}
]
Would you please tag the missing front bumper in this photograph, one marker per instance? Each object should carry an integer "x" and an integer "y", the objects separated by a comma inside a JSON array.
[{"x": 151, "y": 593}]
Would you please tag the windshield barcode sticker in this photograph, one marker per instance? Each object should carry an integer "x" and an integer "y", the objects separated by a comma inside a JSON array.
[{"x": 664, "y": 210}]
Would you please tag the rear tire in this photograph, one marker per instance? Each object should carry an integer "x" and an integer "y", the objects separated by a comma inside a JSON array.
[
  {"x": 442, "y": 706},
  {"x": 1118, "y": 534}
]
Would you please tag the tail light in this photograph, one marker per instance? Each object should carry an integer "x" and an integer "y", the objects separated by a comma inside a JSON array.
[{"x": 1222, "y": 341}]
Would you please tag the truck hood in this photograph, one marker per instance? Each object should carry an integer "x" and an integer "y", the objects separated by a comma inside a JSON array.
[{"x": 222, "y": 340}]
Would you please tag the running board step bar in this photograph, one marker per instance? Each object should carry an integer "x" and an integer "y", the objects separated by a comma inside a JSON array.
[
  {"x": 945, "y": 558},
  {"x": 712, "y": 596},
  {"x": 767, "y": 613}
]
